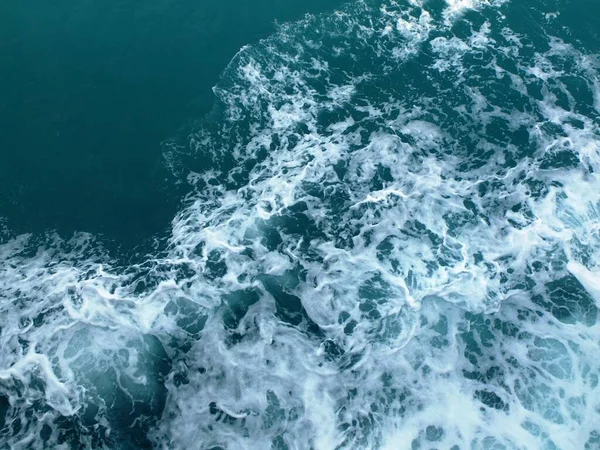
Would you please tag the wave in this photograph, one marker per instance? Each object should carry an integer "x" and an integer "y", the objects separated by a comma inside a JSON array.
[{"x": 391, "y": 242}]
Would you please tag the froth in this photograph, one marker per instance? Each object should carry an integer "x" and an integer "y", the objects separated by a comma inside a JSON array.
[{"x": 392, "y": 242}]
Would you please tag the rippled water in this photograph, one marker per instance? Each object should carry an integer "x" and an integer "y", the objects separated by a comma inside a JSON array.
[{"x": 391, "y": 240}]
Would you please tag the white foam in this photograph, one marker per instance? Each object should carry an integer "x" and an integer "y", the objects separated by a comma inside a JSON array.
[
  {"x": 421, "y": 188},
  {"x": 395, "y": 268}
]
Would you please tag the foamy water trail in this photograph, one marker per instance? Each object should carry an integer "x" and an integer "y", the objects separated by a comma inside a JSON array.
[{"x": 392, "y": 241}]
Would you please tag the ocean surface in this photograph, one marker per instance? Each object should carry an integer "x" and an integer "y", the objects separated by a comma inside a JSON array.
[{"x": 300, "y": 225}]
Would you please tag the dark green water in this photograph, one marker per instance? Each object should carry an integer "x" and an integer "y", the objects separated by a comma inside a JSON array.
[
  {"x": 370, "y": 225},
  {"x": 90, "y": 89}
]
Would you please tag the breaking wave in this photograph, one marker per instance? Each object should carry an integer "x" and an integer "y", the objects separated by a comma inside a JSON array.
[{"x": 392, "y": 240}]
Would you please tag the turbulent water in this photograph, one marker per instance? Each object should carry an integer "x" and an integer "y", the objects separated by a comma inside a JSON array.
[{"x": 391, "y": 241}]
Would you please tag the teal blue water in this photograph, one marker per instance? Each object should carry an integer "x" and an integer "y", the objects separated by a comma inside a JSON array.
[
  {"x": 361, "y": 225},
  {"x": 88, "y": 92}
]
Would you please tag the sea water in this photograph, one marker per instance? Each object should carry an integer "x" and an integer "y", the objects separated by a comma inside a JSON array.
[{"x": 390, "y": 240}]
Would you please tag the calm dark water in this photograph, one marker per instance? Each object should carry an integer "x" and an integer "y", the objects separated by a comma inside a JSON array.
[
  {"x": 372, "y": 225},
  {"x": 90, "y": 89}
]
